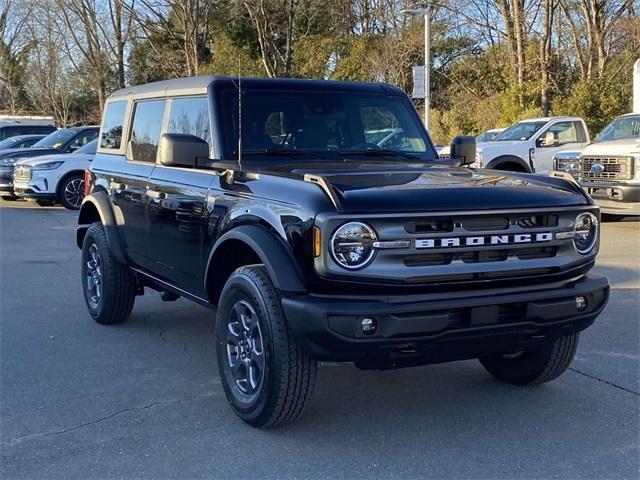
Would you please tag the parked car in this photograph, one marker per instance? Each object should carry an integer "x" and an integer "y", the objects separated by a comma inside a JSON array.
[
  {"x": 20, "y": 141},
  {"x": 13, "y": 128},
  {"x": 324, "y": 247},
  {"x": 54, "y": 178},
  {"x": 64, "y": 140},
  {"x": 609, "y": 168},
  {"x": 529, "y": 145},
  {"x": 489, "y": 135}
]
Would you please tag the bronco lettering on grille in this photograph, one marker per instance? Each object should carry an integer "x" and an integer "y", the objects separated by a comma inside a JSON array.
[{"x": 483, "y": 240}]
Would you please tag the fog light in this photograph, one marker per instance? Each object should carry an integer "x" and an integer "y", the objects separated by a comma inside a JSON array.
[
  {"x": 581, "y": 303},
  {"x": 368, "y": 325}
]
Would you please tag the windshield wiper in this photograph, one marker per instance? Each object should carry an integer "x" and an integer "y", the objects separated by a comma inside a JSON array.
[{"x": 379, "y": 152}]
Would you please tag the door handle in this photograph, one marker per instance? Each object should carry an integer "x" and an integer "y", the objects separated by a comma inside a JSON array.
[
  {"x": 156, "y": 195},
  {"x": 117, "y": 186}
]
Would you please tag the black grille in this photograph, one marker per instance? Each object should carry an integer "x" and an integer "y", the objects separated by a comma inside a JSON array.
[
  {"x": 429, "y": 225},
  {"x": 614, "y": 168},
  {"x": 480, "y": 256},
  {"x": 485, "y": 224}
]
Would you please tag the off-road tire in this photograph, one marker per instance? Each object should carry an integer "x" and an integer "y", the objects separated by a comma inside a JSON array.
[
  {"x": 536, "y": 366},
  {"x": 118, "y": 281},
  {"x": 289, "y": 374},
  {"x": 9, "y": 198}
]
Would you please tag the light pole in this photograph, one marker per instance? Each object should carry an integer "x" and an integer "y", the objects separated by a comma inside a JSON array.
[{"x": 427, "y": 93}]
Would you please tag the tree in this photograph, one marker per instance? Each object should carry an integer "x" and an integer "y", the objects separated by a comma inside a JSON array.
[{"x": 14, "y": 51}]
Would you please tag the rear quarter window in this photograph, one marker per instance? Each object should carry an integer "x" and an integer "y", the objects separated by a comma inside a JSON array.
[{"x": 113, "y": 124}]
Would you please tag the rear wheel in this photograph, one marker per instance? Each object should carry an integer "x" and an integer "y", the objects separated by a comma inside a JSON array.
[
  {"x": 266, "y": 375},
  {"x": 71, "y": 191},
  {"x": 536, "y": 366},
  {"x": 109, "y": 286}
]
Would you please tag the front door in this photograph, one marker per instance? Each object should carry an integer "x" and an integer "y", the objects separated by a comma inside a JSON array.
[
  {"x": 177, "y": 225},
  {"x": 559, "y": 136},
  {"x": 177, "y": 204}
]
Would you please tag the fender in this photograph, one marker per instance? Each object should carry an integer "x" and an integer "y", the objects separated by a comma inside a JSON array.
[
  {"x": 496, "y": 162},
  {"x": 279, "y": 262},
  {"x": 98, "y": 203}
]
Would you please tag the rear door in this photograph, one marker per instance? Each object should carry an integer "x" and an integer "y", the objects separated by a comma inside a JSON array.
[
  {"x": 128, "y": 185},
  {"x": 177, "y": 213}
]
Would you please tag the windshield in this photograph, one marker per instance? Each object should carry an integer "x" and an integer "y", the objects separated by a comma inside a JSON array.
[
  {"x": 56, "y": 139},
  {"x": 325, "y": 125},
  {"x": 90, "y": 148},
  {"x": 620, "y": 128},
  {"x": 520, "y": 131},
  {"x": 9, "y": 142}
]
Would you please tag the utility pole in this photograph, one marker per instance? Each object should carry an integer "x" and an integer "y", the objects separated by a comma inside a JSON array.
[{"x": 426, "y": 12}]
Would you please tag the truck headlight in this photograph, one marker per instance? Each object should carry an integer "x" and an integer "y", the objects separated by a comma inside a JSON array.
[
  {"x": 47, "y": 166},
  {"x": 352, "y": 245},
  {"x": 585, "y": 231},
  {"x": 569, "y": 165}
]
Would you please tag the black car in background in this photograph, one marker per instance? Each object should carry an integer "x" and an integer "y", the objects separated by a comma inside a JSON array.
[
  {"x": 64, "y": 140},
  {"x": 20, "y": 141},
  {"x": 14, "y": 129}
]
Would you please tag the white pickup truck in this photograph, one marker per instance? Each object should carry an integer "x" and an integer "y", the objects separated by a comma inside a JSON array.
[
  {"x": 529, "y": 145},
  {"x": 609, "y": 168}
]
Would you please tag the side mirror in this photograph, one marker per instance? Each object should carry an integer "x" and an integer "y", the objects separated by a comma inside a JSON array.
[
  {"x": 547, "y": 140},
  {"x": 463, "y": 149},
  {"x": 181, "y": 150}
]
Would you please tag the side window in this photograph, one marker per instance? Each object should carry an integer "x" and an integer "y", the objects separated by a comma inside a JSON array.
[
  {"x": 190, "y": 115},
  {"x": 112, "y": 124},
  {"x": 558, "y": 134},
  {"x": 145, "y": 132},
  {"x": 84, "y": 138}
]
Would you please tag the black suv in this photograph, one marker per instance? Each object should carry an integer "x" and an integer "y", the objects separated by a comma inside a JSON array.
[{"x": 284, "y": 205}]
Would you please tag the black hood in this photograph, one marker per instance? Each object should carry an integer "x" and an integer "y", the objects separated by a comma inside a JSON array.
[
  {"x": 26, "y": 152},
  {"x": 436, "y": 188}
]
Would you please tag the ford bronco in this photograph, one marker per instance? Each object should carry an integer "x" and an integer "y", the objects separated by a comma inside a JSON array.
[{"x": 274, "y": 202}]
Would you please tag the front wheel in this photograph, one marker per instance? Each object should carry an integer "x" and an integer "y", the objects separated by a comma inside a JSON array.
[
  {"x": 71, "y": 192},
  {"x": 535, "y": 366},
  {"x": 266, "y": 375},
  {"x": 109, "y": 286}
]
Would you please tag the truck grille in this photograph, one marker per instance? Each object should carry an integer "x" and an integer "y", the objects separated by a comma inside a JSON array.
[
  {"x": 469, "y": 246},
  {"x": 22, "y": 173},
  {"x": 613, "y": 168}
]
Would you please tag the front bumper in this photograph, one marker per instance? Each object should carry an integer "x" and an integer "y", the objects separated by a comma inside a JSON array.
[
  {"x": 621, "y": 199},
  {"x": 433, "y": 328},
  {"x": 30, "y": 193}
]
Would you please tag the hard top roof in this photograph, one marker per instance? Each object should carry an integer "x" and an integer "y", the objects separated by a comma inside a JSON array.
[{"x": 199, "y": 86}]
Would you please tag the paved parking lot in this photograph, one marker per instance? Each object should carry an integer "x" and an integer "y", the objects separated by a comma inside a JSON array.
[{"x": 143, "y": 400}]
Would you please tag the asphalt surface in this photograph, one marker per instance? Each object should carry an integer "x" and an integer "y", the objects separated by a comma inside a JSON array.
[{"x": 143, "y": 400}]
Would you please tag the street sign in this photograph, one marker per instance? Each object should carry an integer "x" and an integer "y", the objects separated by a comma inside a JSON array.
[{"x": 418, "y": 81}]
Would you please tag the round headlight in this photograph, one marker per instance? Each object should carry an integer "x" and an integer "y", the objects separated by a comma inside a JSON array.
[
  {"x": 352, "y": 245},
  {"x": 585, "y": 232}
]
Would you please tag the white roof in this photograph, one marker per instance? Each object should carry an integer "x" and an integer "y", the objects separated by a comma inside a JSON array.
[
  {"x": 178, "y": 86},
  {"x": 546, "y": 119}
]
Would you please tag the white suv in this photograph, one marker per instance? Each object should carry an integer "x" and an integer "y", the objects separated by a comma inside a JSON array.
[
  {"x": 529, "y": 145},
  {"x": 54, "y": 178}
]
